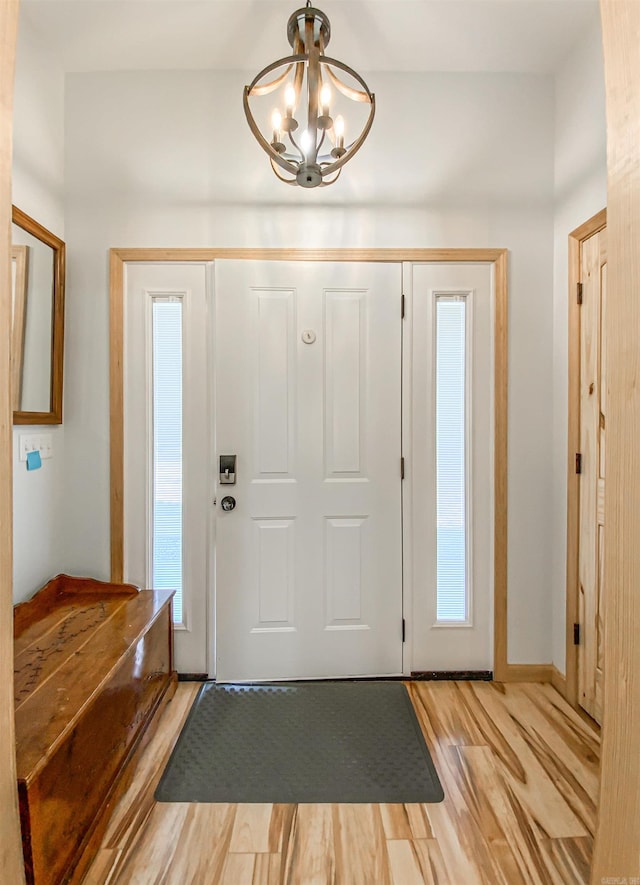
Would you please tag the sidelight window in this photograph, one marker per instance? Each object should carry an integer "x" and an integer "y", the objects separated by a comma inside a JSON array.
[
  {"x": 167, "y": 479},
  {"x": 452, "y": 468}
]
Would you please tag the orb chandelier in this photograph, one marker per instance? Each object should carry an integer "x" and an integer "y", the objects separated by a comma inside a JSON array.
[{"x": 307, "y": 135}]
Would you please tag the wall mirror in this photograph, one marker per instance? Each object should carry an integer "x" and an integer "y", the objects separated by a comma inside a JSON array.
[{"x": 37, "y": 341}]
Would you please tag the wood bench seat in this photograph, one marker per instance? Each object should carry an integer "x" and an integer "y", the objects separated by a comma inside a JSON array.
[{"x": 93, "y": 663}]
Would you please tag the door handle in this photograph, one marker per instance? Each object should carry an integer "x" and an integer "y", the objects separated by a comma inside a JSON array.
[
  {"x": 228, "y": 503},
  {"x": 227, "y": 470}
]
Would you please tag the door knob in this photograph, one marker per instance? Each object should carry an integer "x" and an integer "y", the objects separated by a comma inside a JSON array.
[{"x": 228, "y": 503}]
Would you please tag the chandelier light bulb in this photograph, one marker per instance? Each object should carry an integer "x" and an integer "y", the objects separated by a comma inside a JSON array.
[
  {"x": 276, "y": 123},
  {"x": 309, "y": 80},
  {"x": 290, "y": 98}
]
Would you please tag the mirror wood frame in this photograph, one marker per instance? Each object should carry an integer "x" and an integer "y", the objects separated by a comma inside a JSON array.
[{"x": 33, "y": 227}]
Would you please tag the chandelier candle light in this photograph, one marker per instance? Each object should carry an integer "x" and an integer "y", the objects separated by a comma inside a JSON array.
[{"x": 309, "y": 79}]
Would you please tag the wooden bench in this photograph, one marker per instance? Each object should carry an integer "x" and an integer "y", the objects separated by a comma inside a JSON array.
[{"x": 93, "y": 665}]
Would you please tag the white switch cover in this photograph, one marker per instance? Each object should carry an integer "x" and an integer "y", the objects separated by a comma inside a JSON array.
[
  {"x": 46, "y": 446},
  {"x": 36, "y": 443}
]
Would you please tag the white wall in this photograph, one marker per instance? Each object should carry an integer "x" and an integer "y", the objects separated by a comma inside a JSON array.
[
  {"x": 580, "y": 183},
  {"x": 38, "y": 183},
  {"x": 166, "y": 159}
]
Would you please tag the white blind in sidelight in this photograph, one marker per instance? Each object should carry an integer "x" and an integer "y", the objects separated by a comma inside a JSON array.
[
  {"x": 451, "y": 446},
  {"x": 167, "y": 541}
]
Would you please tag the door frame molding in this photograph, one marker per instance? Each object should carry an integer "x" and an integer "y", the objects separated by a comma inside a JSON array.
[
  {"x": 576, "y": 238},
  {"x": 503, "y": 671},
  {"x": 10, "y": 841}
]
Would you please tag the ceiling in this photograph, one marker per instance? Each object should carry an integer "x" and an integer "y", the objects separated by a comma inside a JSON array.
[{"x": 370, "y": 35}]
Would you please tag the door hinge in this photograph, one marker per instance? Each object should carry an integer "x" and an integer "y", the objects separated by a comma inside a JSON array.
[
  {"x": 576, "y": 634},
  {"x": 579, "y": 293},
  {"x": 402, "y": 468},
  {"x": 402, "y": 306},
  {"x": 578, "y": 462},
  {"x": 403, "y": 629}
]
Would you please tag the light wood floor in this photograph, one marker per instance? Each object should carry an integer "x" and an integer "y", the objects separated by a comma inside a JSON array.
[{"x": 520, "y": 773}]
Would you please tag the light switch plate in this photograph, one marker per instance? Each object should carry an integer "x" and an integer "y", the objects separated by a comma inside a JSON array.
[{"x": 41, "y": 442}]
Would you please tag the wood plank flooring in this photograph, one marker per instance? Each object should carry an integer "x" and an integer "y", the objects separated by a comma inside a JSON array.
[{"x": 520, "y": 773}]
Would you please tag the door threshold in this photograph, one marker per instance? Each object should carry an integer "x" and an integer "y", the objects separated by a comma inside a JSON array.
[
  {"x": 385, "y": 678},
  {"x": 416, "y": 676},
  {"x": 452, "y": 675}
]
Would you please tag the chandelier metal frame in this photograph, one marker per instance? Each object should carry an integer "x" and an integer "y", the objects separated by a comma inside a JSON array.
[{"x": 309, "y": 32}]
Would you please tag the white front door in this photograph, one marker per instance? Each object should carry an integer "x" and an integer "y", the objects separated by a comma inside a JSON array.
[{"x": 308, "y": 399}]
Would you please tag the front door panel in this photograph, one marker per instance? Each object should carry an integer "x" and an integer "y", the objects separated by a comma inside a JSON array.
[{"x": 308, "y": 564}]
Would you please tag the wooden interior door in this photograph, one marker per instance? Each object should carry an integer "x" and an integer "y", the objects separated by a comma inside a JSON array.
[{"x": 593, "y": 263}]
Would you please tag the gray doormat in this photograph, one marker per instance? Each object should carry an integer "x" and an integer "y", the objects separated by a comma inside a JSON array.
[{"x": 302, "y": 742}]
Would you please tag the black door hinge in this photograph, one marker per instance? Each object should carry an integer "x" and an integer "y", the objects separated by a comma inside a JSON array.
[
  {"x": 576, "y": 634},
  {"x": 578, "y": 462},
  {"x": 403, "y": 629},
  {"x": 402, "y": 305},
  {"x": 579, "y": 293},
  {"x": 401, "y": 468}
]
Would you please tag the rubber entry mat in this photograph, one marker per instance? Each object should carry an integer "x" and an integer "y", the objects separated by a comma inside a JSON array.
[{"x": 302, "y": 742}]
